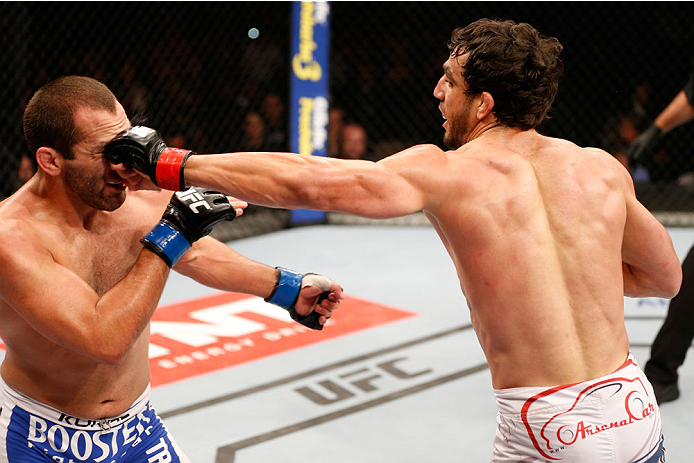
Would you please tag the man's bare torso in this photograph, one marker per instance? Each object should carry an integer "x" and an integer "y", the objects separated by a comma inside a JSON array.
[
  {"x": 537, "y": 244},
  {"x": 100, "y": 252}
]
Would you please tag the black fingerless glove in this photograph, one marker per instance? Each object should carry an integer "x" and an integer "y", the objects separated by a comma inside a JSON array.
[
  {"x": 190, "y": 215},
  {"x": 644, "y": 143}
]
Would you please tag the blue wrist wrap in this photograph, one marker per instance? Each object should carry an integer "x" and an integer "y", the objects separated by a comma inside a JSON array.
[
  {"x": 287, "y": 289},
  {"x": 167, "y": 242}
]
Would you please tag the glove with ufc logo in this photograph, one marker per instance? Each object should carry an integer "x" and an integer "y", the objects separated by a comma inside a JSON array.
[{"x": 190, "y": 215}]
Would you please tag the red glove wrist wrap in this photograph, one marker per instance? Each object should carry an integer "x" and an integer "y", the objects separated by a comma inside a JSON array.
[{"x": 170, "y": 168}]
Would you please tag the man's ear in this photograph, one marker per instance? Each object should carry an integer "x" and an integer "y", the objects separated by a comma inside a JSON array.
[
  {"x": 49, "y": 160},
  {"x": 485, "y": 106}
]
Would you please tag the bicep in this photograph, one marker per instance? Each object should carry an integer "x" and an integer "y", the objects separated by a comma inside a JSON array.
[
  {"x": 395, "y": 186},
  {"x": 53, "y": 300}
]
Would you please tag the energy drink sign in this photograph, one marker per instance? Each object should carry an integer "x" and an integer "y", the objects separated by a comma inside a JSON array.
[{"x": 308, "y": 124}]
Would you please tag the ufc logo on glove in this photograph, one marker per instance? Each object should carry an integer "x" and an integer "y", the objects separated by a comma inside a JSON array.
[
  {"x": 191, "y": 195},
  {"x": 181, "y": 226}
]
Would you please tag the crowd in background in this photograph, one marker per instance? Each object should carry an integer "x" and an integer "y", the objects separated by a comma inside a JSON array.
[{"x": 197, "y": 77}]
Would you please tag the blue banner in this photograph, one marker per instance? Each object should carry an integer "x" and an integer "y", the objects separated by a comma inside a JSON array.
[{"x": 308, "y": 123}]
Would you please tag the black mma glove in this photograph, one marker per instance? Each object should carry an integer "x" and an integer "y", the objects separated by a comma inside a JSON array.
[
  {"x": 644, "y": 143},
  {"x": 286, "y": 293},
  {"x": 144, "y": 149},
  {"x": 190, "y": 215}
]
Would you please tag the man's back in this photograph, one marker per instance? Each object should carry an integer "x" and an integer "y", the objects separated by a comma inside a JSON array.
[{"x": 536, "y": 235}]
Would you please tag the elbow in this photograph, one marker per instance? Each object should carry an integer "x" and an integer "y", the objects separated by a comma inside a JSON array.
[
  {"x": 673, "y": 283},
  {"x": 668, "y": 283},
  {"x": 111, "y": 361},
  {"x": 109, "y": 354},
  {"x": 664, "y": 284}
]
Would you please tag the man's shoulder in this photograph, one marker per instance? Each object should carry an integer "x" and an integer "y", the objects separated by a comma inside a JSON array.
[
  {"x": 19, "y": 235},
  {"x": 567, "y": 149},
  {"x": 423, "y": 150},
  {"x": 16, "y": 214}
]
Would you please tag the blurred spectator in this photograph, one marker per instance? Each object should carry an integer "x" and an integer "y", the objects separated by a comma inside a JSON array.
[
  {"x": 27, "y": 168},
  {"x": 177, "y": 141},
  {"x": 255, "y": 134},
  {"x": 133, "y": 96},
  {"x": 621, "y": 133},
  {"x": 354, "y": 142},
  {"x": 272, "y": 111},
  {"x": 19, "y": 171},
  {"x": 639, "y": 105},
  {"x": 336, "y": 118}
]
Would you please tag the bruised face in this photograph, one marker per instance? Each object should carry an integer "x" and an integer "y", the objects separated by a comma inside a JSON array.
[
  {"x": 89, "y": 174},
  {"x": 455, "y": 105}
]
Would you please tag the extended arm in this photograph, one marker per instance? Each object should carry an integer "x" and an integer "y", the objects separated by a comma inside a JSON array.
[
  {"x": 216, "y": 265},
  {"x": 397, "y": 185},
  {"x": 679, "y": 111},
  {"x": 389, "y": 188}
]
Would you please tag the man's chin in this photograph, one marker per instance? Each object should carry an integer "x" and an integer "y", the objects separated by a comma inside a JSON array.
[
  {"x": 112, "y": 202},
  {"x": 451, "y": 143}
]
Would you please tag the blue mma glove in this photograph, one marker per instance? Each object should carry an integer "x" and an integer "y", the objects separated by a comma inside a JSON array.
[
  {"x": 190, "y": 215},
  {"x": 286, "y": 293}
]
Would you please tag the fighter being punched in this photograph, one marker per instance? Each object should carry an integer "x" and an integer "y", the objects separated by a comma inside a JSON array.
[{"x": 82, "y": 267}]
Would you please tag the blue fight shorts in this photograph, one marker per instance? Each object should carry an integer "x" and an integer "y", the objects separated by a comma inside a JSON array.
[
  {"x": 32, "y": 432},
  {"x": 610, "y": 419}
]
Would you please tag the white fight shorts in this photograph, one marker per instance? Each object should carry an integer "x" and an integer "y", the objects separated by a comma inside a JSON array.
[
  {"x": 32, "y": 432},
  {"x": 610, "y": 419}
]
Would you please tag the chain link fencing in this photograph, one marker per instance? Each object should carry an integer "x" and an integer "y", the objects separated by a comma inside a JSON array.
[{"x": 214, "y": 77}]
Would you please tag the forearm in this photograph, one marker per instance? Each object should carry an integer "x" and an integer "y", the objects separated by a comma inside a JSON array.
[
  {"x": 214, "y": 264},
  {"x": 364, "y": 188},
  {"x": 678, "y": 112},
  {"x": 633, "y": 286},
  {"x": 268, "y": 179},
  {"x": 124, "y": 311},
  {"x": 638, "y": 283}
]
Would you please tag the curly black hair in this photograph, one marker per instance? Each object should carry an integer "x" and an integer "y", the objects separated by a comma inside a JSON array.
[{"x": 512, "y": 61}]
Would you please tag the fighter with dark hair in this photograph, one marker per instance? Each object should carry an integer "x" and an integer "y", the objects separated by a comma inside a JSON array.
[{"x": 547, "y": 239}]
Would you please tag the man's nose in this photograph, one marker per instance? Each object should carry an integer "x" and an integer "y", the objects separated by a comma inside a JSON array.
[{"x": 438, "y": 92}]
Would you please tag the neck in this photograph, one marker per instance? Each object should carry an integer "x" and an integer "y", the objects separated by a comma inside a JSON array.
[
  {"x": 481, "y": 129},
  {"x": 494, "y": 129}
]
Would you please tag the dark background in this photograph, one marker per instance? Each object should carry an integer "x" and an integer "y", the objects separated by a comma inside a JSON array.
[{"x": 195, "y": 74}]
